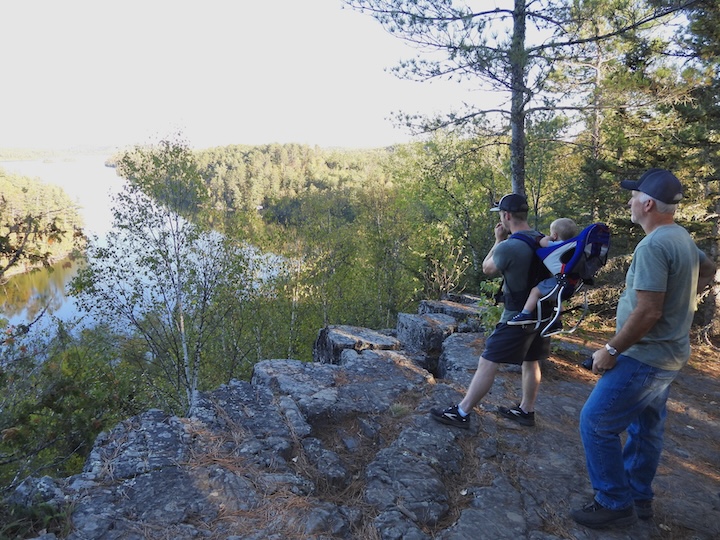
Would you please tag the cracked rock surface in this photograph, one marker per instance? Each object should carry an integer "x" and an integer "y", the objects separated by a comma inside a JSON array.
[{"x": 343, "y": 448}]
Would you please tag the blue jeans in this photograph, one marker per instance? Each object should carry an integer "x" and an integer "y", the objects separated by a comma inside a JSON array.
[{"x": 632, "y": 397}]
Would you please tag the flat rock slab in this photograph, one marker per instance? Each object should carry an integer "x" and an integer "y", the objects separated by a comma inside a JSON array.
[
  {"x": 333, "y": 340},
  {"x": 457, "y": 310}
]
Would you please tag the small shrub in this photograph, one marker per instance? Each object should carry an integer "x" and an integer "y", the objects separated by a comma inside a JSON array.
[{"x": 18, "y": 521}]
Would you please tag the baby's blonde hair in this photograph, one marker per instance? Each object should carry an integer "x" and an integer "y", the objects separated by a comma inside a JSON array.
[{"x": 564, "y": 227}]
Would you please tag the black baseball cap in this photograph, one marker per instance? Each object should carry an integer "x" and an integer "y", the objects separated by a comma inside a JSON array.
[
  {"x": 660, "y": 184},
  {"x": 511, "y": 203}
]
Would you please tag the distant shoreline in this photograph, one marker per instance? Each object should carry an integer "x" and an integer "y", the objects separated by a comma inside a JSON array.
[
  {"x": 31, "y": 154},
  {"x": 25, "y": 268}
]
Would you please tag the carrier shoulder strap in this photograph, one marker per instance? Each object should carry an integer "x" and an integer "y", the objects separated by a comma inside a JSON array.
[
  {"x": 514, "y": 300},
  {"x": 532, "y": 241}
]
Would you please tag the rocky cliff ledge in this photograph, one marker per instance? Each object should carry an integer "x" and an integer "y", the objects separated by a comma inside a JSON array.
[{"x": 342, "y": 448}]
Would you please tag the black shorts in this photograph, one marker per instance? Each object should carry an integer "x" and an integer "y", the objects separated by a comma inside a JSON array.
[{"x": 516, "y": 344}]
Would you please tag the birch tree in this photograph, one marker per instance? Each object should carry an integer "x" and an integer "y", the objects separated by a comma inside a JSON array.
[{"x": 160, "y": 274}]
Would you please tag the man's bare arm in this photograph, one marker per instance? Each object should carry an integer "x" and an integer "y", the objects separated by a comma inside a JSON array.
[
  {"x": 488, "y": 266},
  {"x": 647, "y": 312}
]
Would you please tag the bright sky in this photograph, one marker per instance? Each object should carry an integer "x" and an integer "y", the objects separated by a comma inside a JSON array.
[{"x": 124, "y": 72}]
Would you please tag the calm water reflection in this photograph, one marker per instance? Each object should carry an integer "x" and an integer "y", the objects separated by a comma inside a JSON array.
[
  {"x": 25, "y": 296},
  {"x": 90, "y": 184}
]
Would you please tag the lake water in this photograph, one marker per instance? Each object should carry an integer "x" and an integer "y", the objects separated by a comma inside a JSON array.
[{"x": 90, "y": 184}]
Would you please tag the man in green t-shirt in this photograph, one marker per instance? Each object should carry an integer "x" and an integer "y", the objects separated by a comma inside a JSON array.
[
  {"x": 642, "y": 359},
  {"x": 512, "y": 258}
]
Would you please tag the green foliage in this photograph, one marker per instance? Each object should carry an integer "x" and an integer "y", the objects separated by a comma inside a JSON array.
[
  {"x": 244, "y": 178},
  {"x": 491, "y": 311},
  {"x": 334, "y": 224},
  {"x": 451, "y": 186},
  {"x": 365, "y": 236},
  {"x": 20, "y": 521},
  {"x": 51, "y": 412},
  {"x": 168, "y": 175}
]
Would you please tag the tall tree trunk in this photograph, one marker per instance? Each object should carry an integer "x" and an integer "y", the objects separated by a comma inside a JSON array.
[
  {"x": 518, "y": 66},
  {"x": 294, "y": 302}
]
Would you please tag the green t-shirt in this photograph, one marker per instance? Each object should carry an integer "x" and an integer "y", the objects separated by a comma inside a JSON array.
[{"x": 666, "y": 260}]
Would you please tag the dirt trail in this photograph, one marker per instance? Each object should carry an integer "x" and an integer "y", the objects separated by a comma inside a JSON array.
[{"x": 687, "y": 485}]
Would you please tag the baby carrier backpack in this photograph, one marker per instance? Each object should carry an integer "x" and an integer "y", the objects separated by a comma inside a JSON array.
[{"x": 574, "y": 263}]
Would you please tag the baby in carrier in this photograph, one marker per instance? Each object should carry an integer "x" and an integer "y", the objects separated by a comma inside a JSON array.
[{"x": 561, "y": 229}]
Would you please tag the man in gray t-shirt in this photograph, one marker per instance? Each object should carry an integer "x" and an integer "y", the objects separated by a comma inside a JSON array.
[
  {"x": 665, "y": 261},
  {"x": 642, "y": 359}
]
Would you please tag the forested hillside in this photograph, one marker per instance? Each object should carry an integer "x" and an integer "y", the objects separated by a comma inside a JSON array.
[
  {"x": 39, "y": 223},
  {"x": 247, "y": 177}
]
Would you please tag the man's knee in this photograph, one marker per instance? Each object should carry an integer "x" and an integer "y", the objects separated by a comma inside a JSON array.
[
  {"x": 486, "y": 367},
  {"x": 590, "y": 422}
]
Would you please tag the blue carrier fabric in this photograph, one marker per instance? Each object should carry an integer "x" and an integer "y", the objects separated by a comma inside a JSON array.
[{"x": 573, "y": 263}]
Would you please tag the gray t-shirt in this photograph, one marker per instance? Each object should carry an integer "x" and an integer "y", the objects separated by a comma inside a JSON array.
[
  {"x": 513, "y": 258},
  {"x": 666, "y": 260}
]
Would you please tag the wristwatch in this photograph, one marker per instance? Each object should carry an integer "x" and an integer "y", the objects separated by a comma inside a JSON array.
[{"x": 612, "y": 350}]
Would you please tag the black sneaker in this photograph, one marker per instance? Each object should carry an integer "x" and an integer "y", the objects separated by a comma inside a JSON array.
[
  {"x": 450, "y": 416},
  {"x": 522, "y": 319},
  {"x": 517, "y": 414},
  {"x": 596, "y": 516},
  {"x": 644, "y": 509}
]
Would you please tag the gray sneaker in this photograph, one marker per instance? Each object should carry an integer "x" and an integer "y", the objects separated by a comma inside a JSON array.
[{"x": 450, "y": 416}]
